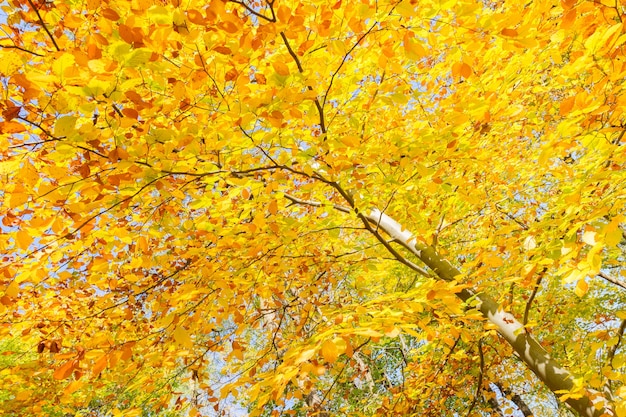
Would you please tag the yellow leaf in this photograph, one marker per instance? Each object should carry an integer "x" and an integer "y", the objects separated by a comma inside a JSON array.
[
  {"x": 413, "y": 47},
  {"x": 138, "y": 57},
  {"x": 305, "y": 356},
  {"x": 581, "y": 288},
  {"x": 620, "y": 408},
  {"x": 351, "y": 141},
  {"x": 73, "y": 387},
  {"x": 13, "y": 289},
  {"x": 574, "y": 275},
  {"x": 24, "y": 239},
  {"x": 589, "y": 237},
  {"x": 405, "y": 9},
  {"x": 64, "y": 126},
  {"x": 181, "y": 336},
  {"x": 62, "y": 63},
  {"x": 602, "y": 38},
  {"x": 613, "y": 237},
  {"x": 10, "y": 62},
  {"x": 23, "y": 395},
  {"x": 392, "y": 331}
]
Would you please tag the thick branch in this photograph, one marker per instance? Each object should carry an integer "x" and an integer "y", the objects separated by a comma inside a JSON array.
[
  {"x": 612, "y": 280},
  {"x": 517, "y": 400},
  {"x": 559, "y": 380},
  {"x": 380, "y": 238}
]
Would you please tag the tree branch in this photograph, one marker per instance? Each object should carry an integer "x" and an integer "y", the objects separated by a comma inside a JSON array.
[
  {"x": 255, "y": 13},
  {"x": 320, "y": 108},
  {"x": 54, "y": 42},
  {"x": 479, "y": 384},
  {"x": 612, "y": 280},
  {"x": 21, "y": 49},
  {"x": 532, "y": 296}
]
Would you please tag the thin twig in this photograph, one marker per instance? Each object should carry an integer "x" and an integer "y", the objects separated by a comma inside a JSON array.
[
  {"x": 255, "y": 13},
  {"x": 295, "y": 200},
  {"x": 21, "y": 49},
  {"x": 318, "y": 105},
  {"x": 54, "y": 42},
  {"x": 615, "y": 347},
  {"x": 532, "y": 296},
  {"x": 479, "y": 384},
  {"x": 345, "y": 57}
]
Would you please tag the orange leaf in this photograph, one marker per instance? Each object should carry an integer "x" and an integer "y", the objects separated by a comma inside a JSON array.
[
  {"x": 305, "y": 46},
  {"x": 281, "y": 68},
  {"x": 129, "y": 112},
  {"x": 465, "y": 70},
  {"x": 509, "y": 32},
  {"x": 329, "y": 351},
  {"x": 127, "y": 353},
  {"x": 195, "y": 17},
  {"x": 12, "y": 289},
  {"x": 283, "y": 13},
  {"x": 568, "y": 19},
  {"x": 229, "y": 27},
  {"x": 72, "y": 387},
  {"x": 11, "y": 127},
  {"x": 567, "y": 105},
  {"x": 65, "y": 370},
  {"x": 224, "y": 50},
  {"x": 24, "y": 239},
  {"x": 110, "y": 14},
  {"x": 126, "y": 33},
  {"x": 413, "y": 48},
  {"x": 17, "y": 199},
  {"x": 273, "y": 207},
  {"x": 100, "y": 364}
]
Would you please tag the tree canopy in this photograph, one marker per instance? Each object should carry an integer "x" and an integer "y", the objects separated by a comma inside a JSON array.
[{"x": 303, "y": 207}]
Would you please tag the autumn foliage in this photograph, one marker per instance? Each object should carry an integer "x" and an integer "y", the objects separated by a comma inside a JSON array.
[{"x": 297, "y": 207}]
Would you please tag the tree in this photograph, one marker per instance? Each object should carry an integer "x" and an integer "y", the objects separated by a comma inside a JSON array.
[{"x": 348, "y": 208}]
